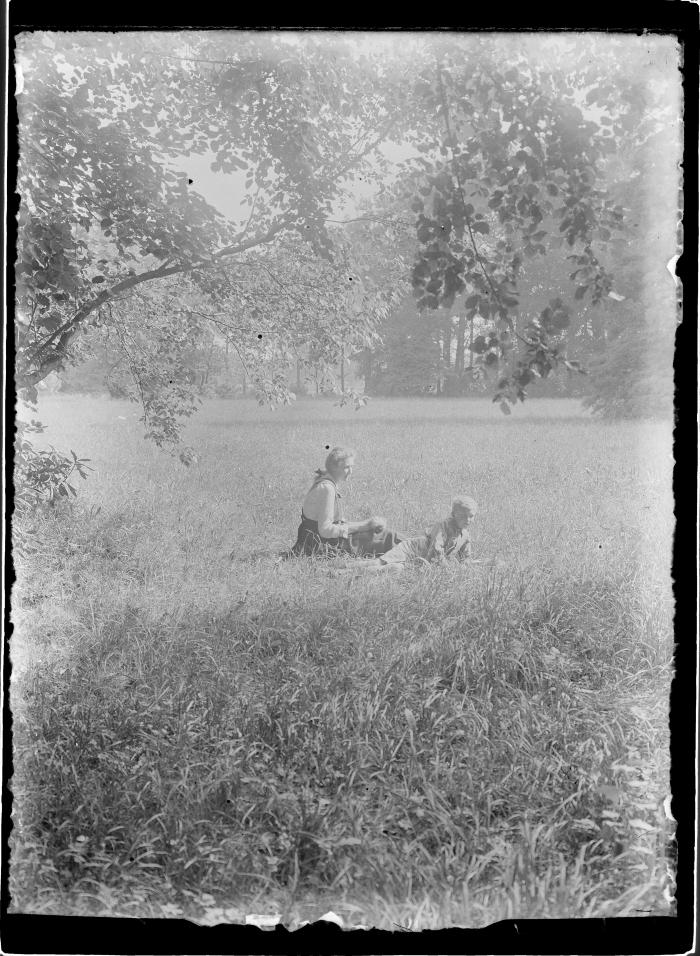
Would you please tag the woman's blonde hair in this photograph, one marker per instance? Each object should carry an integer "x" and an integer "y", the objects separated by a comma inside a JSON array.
[{"x": 334, "y": 457}]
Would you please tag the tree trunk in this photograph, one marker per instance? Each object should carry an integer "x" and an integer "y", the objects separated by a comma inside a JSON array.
[
  {"x": 471, "y": 342},
  {"x": 207, "y": 367},
  {"x": 342, "y": 372},
  {"x": 447, "y": 345},
  {"x": 459, "y": 358},
  {"x": 600, "y": 332},
  {"x": 298, "y": 375},
  {"x": 367, "y": 369}
]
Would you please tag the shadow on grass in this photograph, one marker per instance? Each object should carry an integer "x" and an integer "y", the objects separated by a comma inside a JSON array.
[{"x": 386, "y": 739}]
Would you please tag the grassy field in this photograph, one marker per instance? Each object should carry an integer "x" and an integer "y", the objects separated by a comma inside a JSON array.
[{"x": 204, "y": 733}]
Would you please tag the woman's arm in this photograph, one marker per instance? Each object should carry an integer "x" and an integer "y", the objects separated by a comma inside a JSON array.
[
  {"x": 328, "y": 527},
  {"x": 324, "y": 506},
  {"x": 320, "y": 505},
  {"x": 371, "y": 524}
]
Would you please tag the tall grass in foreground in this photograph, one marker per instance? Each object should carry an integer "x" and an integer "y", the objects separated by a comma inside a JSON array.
[{"x": 207, "y": 737}]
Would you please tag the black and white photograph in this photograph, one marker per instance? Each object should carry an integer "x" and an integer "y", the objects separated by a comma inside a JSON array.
[{"x": 343, "y": 511}]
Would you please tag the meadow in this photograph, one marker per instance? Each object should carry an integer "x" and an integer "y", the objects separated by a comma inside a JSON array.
[{"x": 199, "y": 731}]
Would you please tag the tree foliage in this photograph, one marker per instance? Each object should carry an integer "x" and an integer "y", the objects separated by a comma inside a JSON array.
[
  {"x": 520, "y": 173},
  {"x": 102, "y": 117},
  {"x": 406, "y": 359},
  {"x": 113, "y": 240},
  {"x": 512, "y": 160}
]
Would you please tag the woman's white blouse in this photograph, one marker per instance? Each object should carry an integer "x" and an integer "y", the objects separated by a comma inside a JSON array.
[{"x": 320, "y": 505}]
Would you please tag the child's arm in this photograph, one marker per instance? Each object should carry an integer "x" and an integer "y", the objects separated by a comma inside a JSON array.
[
  {"x": 465, "y": 551},
  {"x": 465, "y": 555},
  {"x": 436, "y": 544}
]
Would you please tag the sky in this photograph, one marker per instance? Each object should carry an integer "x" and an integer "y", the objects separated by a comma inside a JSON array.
[
  {"x": 222, "y": 190},
  {"x": 226, "y": 191}
]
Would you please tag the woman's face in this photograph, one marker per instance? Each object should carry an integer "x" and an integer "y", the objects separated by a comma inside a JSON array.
[{"x": 342, "y": 470}]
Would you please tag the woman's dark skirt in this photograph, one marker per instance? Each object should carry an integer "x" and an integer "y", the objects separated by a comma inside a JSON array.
[{"x": 363, "y": 543}]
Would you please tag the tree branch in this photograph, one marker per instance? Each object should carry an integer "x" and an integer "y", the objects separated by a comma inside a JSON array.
[
  {"x": 28, "y": 378},
  {"x": 452, "y": 143},
  {"x": 344, "y": 222},
  {"x": 386, "y": 129},
  {"x": 60, "y": 337},
  {"x": 252, "y": 208}
]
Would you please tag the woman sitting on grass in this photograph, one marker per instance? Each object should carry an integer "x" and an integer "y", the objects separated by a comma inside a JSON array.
[
  {"x": 324, "y": 529},
  {"x": 448, "y": 540}
]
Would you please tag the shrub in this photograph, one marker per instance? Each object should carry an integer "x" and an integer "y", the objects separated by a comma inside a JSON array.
[{"x": 42, "y": 475}]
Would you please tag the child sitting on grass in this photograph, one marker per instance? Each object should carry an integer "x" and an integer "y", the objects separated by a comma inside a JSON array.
[{"x": 447, "y": 540}]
